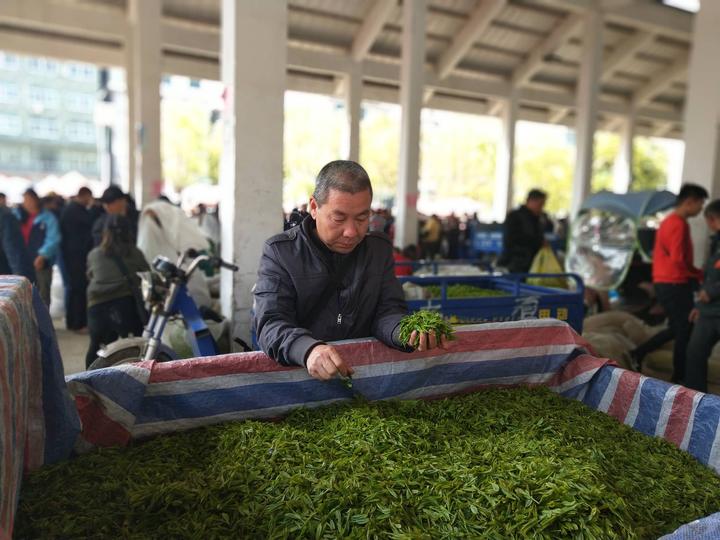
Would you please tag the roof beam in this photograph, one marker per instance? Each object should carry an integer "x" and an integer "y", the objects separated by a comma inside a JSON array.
[
  {"x": 371, "y": 27},
  {"x": 558, "y": 115},
  {"x": 107, "y": 23},
  {"x": 479, "y": 20},
  {"x": 653, "y": 17},
  {"x": 525, "y": 71},
  {"x": 664, "y": 129},
  {"x": 625, "y": 50},
  {"x": 660, "y": 81}
]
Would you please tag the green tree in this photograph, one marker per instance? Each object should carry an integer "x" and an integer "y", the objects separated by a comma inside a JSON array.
[
  {"x": 650, "y": 165},
  {"x": 549, "y": 168},
  {"x": 191, "y": 145}
]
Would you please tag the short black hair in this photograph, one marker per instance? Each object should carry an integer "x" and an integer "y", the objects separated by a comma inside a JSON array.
[
  {"x": 2, "y": 195},
  {"x": 536, "y": 194},
  {"x": 84, "y": 191},
  {"x": 713, "y": 208},
  {"x": 32, "y": 193},
  {"x": 692, "y": 191},
  {"x": 342, "y": 175}
]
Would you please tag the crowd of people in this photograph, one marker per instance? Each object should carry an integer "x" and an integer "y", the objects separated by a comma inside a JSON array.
[{"x": 93, "y": 242}]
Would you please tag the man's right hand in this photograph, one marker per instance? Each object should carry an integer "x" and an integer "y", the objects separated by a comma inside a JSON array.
[{"x": 324, "y": 363}]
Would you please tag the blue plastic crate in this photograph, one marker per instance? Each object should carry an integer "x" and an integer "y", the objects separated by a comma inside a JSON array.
[{"x": 523, "y": 301}]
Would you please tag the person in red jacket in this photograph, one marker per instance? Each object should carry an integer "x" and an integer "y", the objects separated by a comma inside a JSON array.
[{"x": 674, "y": 275}]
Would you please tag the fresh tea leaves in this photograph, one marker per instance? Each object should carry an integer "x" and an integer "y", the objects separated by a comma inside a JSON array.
[
  {"x": 504, "y": 463},
  {"x": 425, "y": 321},
  {"x": 459, "y": 290}
]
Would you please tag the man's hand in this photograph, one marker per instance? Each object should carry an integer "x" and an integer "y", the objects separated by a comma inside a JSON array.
[
  {"x": 703, "y": 297},
  {"x": 324, "y": 363},
  {"x": 694, "y": 315},
  {"x": 427, "y": 341},
  {"x": 39, "y": 262}
]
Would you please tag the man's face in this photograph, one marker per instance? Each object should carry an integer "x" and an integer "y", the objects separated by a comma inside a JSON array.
[
  {"x": 118, "y": 207},
  {"x": 536, "y": 206},
  {"x": 342, "y": 222},
  {"x": 3, "y": 202},
  {"x": 713, "y": 223},
  {"x": 694, "y": 206}
]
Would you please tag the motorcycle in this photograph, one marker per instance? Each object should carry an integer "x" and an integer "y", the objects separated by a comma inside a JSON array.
[{"x": 165, "y": 291}]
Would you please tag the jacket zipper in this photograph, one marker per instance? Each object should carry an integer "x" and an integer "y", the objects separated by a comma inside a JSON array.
[{"x": 339, "y": 317}]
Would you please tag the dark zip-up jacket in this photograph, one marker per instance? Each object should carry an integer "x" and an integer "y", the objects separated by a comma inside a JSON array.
[
  {"x": 305, "y": 294},
  {"x": 522, "y": 238},
  {"x": 14, "y": 256},
  {"x": 711, "y": 282}
]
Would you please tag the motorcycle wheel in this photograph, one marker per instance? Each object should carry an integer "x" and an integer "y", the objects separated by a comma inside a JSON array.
[{"x": 131, "y": 354}]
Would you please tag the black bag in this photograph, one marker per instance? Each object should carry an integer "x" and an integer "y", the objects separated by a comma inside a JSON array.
[{"x": 137, "y": 294}]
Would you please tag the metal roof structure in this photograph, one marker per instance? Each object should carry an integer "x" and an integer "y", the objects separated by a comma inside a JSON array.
[{"x": 477, "y": 51}]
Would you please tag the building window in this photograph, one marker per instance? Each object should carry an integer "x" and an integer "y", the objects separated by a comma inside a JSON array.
[
  {"x": 44, "y": 128},
  {"x": 46, "y": 98},
  {"x": 9, "y": 61},
  {"x": 80, "y": 72},
  {"x": 10, "y": 124},
  {"x": 80, "y": 102},
  {"x": 47, "y": 159},
  {"x": 9, "y": 92},
  {"x": 80, "y": 132}
]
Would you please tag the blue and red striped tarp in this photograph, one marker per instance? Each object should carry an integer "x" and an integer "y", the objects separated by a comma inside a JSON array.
[
  {"x": 38, "y": 422},
  {"x": 146, "y": 399}
]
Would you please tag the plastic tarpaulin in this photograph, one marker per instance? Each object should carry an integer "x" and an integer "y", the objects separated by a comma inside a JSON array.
[
  {"x": 38, "y": 421},
  {"x": 633, "y": 205}
]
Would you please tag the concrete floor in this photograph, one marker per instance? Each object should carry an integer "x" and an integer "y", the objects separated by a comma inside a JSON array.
[{"x": 72, "y": 347}]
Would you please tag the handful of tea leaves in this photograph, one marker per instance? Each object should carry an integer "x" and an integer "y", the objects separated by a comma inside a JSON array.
[
  {"x": 503, "y": 463},
  {"x": 424, "y": 321}
]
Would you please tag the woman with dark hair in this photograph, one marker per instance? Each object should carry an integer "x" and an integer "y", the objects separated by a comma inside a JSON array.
[{"x": 113, "y": 293}]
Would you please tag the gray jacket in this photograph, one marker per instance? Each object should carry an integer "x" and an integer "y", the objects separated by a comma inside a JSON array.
[{"x": 305, "y": 294}]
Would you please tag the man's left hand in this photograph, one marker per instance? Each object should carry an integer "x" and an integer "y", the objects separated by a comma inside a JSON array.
[
  {"x": 426, "y": 341},
  {"x": 703, "y": 297},
  {"x": 39, "y": 262}
]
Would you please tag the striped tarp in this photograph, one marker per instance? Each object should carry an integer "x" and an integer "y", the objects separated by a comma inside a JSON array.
[
  {"x": 38, "y": 423},
  {"x": 142, "y": 400}
]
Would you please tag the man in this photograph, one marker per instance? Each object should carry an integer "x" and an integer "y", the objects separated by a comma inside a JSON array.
[
  {"x": 674, "y": 276},
  {"x": 523, "y": 234},
  {"x": 115, "y": 203},
  {"x": 41, "y": 234},
  {"x": 76, "y": 226},
  {"x": 3, "y": 200},
  {"x": 14, "y": 256},
  {"x": 706, "y": 331},
  {"x": 431, "y": 235},
  {"x": 328, "y": 280}
]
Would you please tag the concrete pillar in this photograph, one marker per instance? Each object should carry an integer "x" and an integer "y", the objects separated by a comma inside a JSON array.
[
  {"x": 353, "y": 110},
  {"x": 251, "y": 169},
  {"x": 702, "y": 114},
  {"x": 587, "y": 106},
  {"x": 505, "y": 160},
  {"x": 144, "y": 73},
  {"x": 622, "y": 168},
  {"x": 411, "y": 97}
]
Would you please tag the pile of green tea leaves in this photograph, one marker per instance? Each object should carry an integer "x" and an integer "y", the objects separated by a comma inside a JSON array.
[
  {"x": 505, "y": 463},
  {"x": 424, "y": 321},
  {"x": 459, "y": 290}
]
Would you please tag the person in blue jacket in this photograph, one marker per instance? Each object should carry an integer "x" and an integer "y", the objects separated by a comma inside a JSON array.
[
  {"x": 14, "y": 257},
  {"x": 41, "y": 233}
]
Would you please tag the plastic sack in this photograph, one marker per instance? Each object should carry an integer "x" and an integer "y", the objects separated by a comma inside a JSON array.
[{"x": 545, "y": 262}]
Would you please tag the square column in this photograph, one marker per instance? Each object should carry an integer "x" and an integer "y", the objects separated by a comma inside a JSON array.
[
  {"x": 411, "y": 97},
  {"x": 702, "y": 115},
  {"x": 587, "y": 107},
  {"x": 143, "y": 80},
  {"x": 622, "y": 168},
  {"x": 353, "y": 110},
  {"x": 505, "y": 160},
  {"x": 253, "y": 66}
]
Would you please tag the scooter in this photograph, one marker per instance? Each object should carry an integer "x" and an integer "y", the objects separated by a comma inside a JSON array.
[{"x": 165, "y": 290}]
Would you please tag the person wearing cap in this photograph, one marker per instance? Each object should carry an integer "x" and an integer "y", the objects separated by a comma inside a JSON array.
[
  {"x": 115, "y": 203},
  {"x": 112, "y": 295},
  {"x": 41, "y": 233}
]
